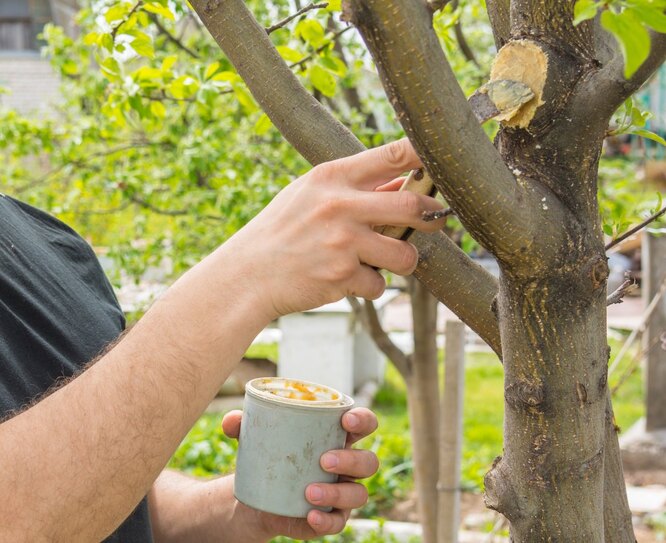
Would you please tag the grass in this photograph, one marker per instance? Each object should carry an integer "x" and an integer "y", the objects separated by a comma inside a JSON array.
[{"x": 206, "y": 451}]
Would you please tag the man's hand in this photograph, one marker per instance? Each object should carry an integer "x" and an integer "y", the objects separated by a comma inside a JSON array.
[
  {"x": 343, "y": 496},
  {"x": 315, "y": 242}
]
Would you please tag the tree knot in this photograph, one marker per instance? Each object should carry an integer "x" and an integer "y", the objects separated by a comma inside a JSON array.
[
  {"x": 525, "y": 396},
  {"x": 597, "y": 270}
]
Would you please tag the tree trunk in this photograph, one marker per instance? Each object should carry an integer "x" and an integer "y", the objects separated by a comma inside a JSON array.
[{"x": 423, "y": 401}]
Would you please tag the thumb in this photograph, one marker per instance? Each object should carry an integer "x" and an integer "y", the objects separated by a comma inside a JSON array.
[{"x": 231, "y": 423}]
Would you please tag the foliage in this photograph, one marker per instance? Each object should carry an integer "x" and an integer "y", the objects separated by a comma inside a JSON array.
[
  {"x": 630, "y": 22},
  {"x": 622, "y": 201}
]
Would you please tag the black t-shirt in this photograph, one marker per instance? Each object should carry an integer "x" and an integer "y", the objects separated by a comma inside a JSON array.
[{"x": 57, "y": 312}]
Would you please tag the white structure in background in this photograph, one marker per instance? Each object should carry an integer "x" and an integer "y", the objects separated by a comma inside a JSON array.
[
  {"x": 327, "y": 345},
  {"x": 32, "y": 84}
]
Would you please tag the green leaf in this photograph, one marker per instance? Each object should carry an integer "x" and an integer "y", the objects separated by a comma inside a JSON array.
[
  {"x": 334, "y": 5},
  {"x": 157, "y": 108},
  {"x": 159, "y": 9},
  {"x": 584, "y": 10},
  {"x": 168, "y": 62},
  {"x": 106, "y": 41},
  {"x": 632, "y": 36},
  {"x": 322, "y": 80},
  {"x": 334, "y": 64},
  {"x": 91, "y": 38},
  {"x": 226, "y": 76},
  {"x": 650, "y": 16},
  {"x": 245, "y": 98},
  {"x": 143, "y": 47},
  {"x": 263, "y": 125},
  {"x": 211, "y": 69},
  {"x": 289, "y": 54},
  {"x": 608, "y": 229},
  {"x": 310, "y": 31},
  {"x": 111, "y": 69},
  {"x": 183, "y": 87},
  {"x": 648, "y": 134},
  {"x": 117, "y": 12}
]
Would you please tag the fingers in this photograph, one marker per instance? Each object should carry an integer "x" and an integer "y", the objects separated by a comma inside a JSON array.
[
  {"x": 337, "y": 496},
  {"x": 366, "y": 283},
  {"x": 353, "y": 463},
  {"x": 380, "y": 251},
  {"x": 359, "y": 423},
  {"x": 401, "y": 208},
  {"x": 231, "y": 423},
  {"x": 327, "y": 523},
  {"x": 394, "y": 185},
  {"x": 377, "y": 166}
]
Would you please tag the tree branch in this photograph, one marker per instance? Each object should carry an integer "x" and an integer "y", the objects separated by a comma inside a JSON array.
[
  {"x": 500, "y": 213},
  {"x": 637, "y": 228},
  {"x": 368, "y": 314},
  {"x": 334, "y": 39},
  {"x": 272, "y": 83},
  {"x": 462, "y": 41},
  {"x": 461, "y": 284},
  {"x": 627, "y": 286},
  {"x": 173, "y": 39},
  {"x": 606, "y": 89},
  {"x": 284, "y": 22},
  {"x": 498, "y": 13}
]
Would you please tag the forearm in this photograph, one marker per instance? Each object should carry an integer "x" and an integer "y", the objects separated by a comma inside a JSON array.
[
  {"x": 184, "y": 509},
  {"x": 78, "y": 462}
]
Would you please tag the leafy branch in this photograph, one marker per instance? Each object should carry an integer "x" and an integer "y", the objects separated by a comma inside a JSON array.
[
  {"x": 636, "y": 229},
  {"x": 284, "y": 22}
]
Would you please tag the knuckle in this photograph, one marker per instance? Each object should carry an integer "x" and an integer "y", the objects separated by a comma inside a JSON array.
[
  {"x": 395, "y": 153},
  {"x": 407, "y": 259},
  {"x": 409, "y": 204},
  {"x": 323, "y": 171},
  {"x": 342, "y": 270}
]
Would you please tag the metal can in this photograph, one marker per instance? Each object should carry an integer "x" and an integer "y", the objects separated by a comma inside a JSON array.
[{"x": 287, "y": 425}]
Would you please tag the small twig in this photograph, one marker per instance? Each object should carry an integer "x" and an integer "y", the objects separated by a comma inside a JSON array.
[
  {"x": 320, "y": 49},
  {"x": 429, "y": 216},
  {"x": 634, "y": 364},
  {"x": 645, "y": 319},
  {"x": 287, "y": 20},
  {"x": 114, "y": 30},
  {"x": 620, "y": 292},
  {"x": 635, "y": 229},
  {"x": 171, "y": 212},
  {"x": 173, "y": 39}
]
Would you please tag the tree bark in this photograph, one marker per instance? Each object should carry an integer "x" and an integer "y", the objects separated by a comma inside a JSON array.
[{"x": 423, "y": 402}]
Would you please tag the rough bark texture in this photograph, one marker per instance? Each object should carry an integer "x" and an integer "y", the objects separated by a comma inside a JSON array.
[{"x": 423, "y": 401}]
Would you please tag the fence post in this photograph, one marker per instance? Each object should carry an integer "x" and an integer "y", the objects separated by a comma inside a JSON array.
[
  {"x": 654, "y": 339},
  {"x": 451, "y": 433}
]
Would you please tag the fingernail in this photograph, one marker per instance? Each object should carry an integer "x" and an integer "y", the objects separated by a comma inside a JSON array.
[
  {"x": 316, "y": 493},
  {"x": 429, "y": 216},
  {"x": 329, "y": 461},
  {"x": 352, "y": 421}
]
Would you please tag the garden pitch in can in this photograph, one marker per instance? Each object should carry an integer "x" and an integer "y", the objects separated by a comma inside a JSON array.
[{"x": 287, "y": 425}]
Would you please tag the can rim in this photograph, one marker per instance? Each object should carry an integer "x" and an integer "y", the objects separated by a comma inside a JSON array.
[{"x": 267, "y": 388}]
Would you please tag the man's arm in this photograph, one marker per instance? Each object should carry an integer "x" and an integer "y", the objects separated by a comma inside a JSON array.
[
  {"x": 184, "y": 509},
  {"x": 77, "y": 463}
]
